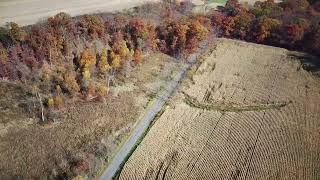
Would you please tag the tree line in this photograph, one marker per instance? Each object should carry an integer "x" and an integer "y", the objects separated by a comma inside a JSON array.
[{"x": 292, "y": 24}]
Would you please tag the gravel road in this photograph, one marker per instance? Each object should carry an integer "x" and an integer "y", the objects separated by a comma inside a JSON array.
[{"x": 26, "y": 12}]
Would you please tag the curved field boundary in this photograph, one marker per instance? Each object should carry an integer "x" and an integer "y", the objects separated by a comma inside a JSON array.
[
  {"x": 192, "y": 102},
  {"x": 237, "y": 125},
  {"x": 140, "y": 130}
]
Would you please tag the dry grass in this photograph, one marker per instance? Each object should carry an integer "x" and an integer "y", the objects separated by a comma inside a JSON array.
[
  {"x": 85, "y": 136},
  {"x": 202, "y": 142}
]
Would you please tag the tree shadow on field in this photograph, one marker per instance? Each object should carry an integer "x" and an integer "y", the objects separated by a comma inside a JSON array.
[{"x": 310, "y": 63}]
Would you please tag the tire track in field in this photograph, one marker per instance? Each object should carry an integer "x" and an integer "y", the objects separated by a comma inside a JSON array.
[{"x": 273, "y": 143}]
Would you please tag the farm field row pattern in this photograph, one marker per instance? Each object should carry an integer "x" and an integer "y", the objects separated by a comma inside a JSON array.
[{"x": 277, "y": 143}]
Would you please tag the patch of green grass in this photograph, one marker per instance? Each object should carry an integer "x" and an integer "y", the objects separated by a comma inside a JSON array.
[{"x": 217, "y": 1}]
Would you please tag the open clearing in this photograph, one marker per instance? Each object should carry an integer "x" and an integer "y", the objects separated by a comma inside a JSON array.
[{"x": 248, "y": 111}]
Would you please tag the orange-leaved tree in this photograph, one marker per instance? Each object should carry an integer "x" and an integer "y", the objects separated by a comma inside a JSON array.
[
  {"x": 137, "y": 56},
  {"x": 87, "y": 63},
  {"x": 265, "y": 27},
  {"x": 196, "y": 33},
  {"x": 138, "y": 31},
  {"x": 59, "y": 20},
  {"x": 94, "y": 25}
]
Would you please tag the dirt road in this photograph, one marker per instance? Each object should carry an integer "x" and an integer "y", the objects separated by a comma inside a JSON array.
[
  {"x": 26, "y": 12},
  {"x": 146, "y": 120},
  {"x": 248, "y": 112}
]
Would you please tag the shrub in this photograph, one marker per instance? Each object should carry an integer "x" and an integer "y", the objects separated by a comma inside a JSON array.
[
  {"x": 91, "y": 90},
  {"x": 58, "y": 101},
  {"x": 70, "y": 83},
  {"x": 102, "y": 91}
]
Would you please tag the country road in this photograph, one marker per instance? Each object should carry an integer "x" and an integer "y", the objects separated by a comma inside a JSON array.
[
  {"x": 148, "y": 118},
  {"x": 26, "y": 12}
]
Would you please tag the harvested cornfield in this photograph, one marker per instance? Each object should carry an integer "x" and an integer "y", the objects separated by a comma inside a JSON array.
[{"x": 248, "y": 111}]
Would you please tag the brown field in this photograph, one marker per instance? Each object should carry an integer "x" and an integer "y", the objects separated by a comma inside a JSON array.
[
  {"x": 86, "y": 135},
  {"x": 247, "y": 111},
  {"x": 26, "y": 12}
]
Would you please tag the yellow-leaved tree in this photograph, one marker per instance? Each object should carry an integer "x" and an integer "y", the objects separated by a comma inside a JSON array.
[
  {"x": 104, "y": 66},
  {"x": 120, "y": 47},
  {"x": 123, "y": 50},
  {"x": 87, "y": 65},
  {"x": 115, "y": 60}
]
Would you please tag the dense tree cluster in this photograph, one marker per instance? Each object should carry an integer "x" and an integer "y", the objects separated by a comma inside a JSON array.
[
  {"x": 68, "y": 57},
  {"x": 293, "y": 24},
  {"x": 182, "y": 36}
]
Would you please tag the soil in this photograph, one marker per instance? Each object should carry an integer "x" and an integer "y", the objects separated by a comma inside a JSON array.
[
  {"x": 86, "y": 135},
  {"x": 247, "y": 111}
]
